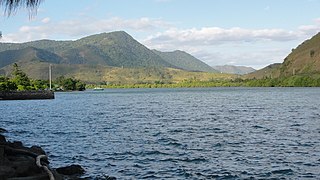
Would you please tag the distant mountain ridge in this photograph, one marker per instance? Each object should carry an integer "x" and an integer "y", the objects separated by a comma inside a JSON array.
[
  {"x": 115, "y": 49},
  {"x": 234, "y": 69},
  {"x": 184, "y": 61}
]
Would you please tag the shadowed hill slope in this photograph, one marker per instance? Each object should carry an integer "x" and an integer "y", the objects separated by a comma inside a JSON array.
[
  {"x": 184, "y": 61},
  {"x": 234, "y": 69}
]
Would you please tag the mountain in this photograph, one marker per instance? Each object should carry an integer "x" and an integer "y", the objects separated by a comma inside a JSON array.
[
  {"x": 271, "y": 71},
  {"x": 115, "y": 49},
  {"x": 121, "y": 50},
  {"x": 29, "y": 54},
  {"x": 234, "y": 69},
  {"x": 184, "y": 61},
  {"x": 303, "y": 61}
]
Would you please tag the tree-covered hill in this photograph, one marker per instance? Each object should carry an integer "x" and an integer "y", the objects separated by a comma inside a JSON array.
[
  {"x": 28, "y": 54},
  {"x": 92, "y": 55},
  {"x": 117, "y": 49},
  {"x": 184, "y": 61},
  {"x": 271, "y": 71}
]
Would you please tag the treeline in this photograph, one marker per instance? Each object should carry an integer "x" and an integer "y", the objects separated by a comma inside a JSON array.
[
  {"x": 69, "y": 84},
  {"x": 293, "y": 81},
  {"x": 21, "y": 82}
]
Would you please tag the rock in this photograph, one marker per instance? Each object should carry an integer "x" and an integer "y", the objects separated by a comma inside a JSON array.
[
  {"x": 2, "y": 139},
  {"x": 3, "y": 130},
  {"x": 71, "y": 170},
  {"x": 38, "y": 150},
  {"x": 19, "y": 162},
  {"x": 15, "y": 161},
  {"x": 17, "y": 144}
]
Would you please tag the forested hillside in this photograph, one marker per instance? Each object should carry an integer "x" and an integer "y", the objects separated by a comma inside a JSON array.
[{"x": 92, "y": 55}]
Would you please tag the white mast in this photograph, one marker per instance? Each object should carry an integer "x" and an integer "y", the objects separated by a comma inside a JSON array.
[{"x": 50, "y": 76}]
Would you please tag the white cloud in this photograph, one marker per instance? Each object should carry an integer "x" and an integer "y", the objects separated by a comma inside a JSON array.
[
  {"x": 238, "y": 46},
  {"x": 310, "y": 30},
  {"x": 255, "y": 58},
  {"x": 215, "y": 35},
  {"x": 45, "y": 20},
  {"x": 73, "y": 29}
]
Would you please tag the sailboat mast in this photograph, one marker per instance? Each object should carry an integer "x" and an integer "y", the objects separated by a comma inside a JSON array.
[{"x": 50, "y": 76}]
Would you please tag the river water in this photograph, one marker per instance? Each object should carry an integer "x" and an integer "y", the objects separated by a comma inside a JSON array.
[{"x": 200, "y": 133}]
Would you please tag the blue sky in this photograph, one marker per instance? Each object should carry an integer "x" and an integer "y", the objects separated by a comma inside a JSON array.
[{"x": 252, "y": 33}]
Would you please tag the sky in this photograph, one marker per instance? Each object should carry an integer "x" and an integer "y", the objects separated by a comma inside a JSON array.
[{"x": 252, "y": 33}]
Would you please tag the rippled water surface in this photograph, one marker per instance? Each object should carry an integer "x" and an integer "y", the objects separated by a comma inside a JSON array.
[{"x": 208, "y": 133}]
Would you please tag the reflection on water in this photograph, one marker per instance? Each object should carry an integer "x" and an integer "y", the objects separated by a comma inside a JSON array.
[{"x": 176, "y": 133}]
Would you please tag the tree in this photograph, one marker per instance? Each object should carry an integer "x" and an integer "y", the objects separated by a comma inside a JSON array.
[
  {"x": 20, "y": 78},
  {"x": 312, "y": 53},
  {"x": 39, "y": 84},
  {"x": 80, "y": 86},
  {"x": 6, "y": 84},
  {"x": 11, "y": 6},
  {"x": 70, "y": 84}
]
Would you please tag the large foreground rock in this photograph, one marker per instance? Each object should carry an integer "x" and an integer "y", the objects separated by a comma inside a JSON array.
[{"x": 18, "y": 162}]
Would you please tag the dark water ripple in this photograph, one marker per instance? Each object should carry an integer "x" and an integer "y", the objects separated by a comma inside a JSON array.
[{"x": 212, "y": 133}]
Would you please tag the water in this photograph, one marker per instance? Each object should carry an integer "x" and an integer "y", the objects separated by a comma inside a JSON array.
[{"x": 205, "y": 133}]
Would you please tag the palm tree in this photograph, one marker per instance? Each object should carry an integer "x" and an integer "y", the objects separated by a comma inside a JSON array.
[{"x": 11, "y": 6}]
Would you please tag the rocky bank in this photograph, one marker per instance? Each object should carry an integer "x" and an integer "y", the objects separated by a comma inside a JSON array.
[{"x": 18, "y": 162}]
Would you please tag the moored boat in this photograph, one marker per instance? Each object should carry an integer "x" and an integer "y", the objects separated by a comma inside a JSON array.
[{"x": 98, "y": 89}]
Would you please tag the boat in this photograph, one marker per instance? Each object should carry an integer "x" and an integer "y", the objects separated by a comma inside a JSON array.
[{"x": 98, "y": 89}]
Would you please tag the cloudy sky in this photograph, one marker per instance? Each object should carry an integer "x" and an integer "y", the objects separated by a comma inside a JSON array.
[{"x": 252, "y": 33}]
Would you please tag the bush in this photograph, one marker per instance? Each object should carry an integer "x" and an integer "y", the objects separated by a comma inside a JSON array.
[
  {"x": 6, "y": 84},
  {"x": 312, "y": 52}
]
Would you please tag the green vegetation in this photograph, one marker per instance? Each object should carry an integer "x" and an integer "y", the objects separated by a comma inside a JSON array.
[
  {"x": 69, "y": 84},
  {"x": 155, "y": 78},
  {"x": 21, "y": 82},
  {"x": 294, "y": 81},
  {"x": 115, "y": 49},
  {"x": 6, "y": 84},
  {"x": 20, "y": 78},
  {"x": 117, "y": 60}
]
